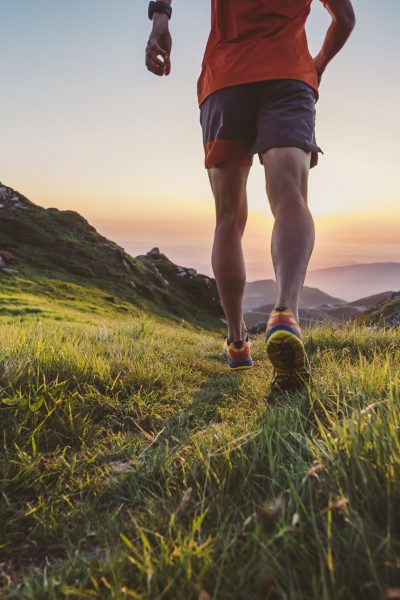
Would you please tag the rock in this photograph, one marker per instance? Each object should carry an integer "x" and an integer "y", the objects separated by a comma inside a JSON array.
[
  {"x": 185, "y": 272},
  {"x": 17, "y": 202},
  {"x": 155, "y": 252},
  {"x": 165, "y": 282},
  {"x": 1, "y": 205},
  {"x": 126, "y": 265},
  {"x": 2, "y": 262},
  {"x": 9, "y": 271},
  {"x": 112, "y": 246}
]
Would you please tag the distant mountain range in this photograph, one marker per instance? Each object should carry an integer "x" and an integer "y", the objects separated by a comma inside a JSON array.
[
  {"x": 258, "y": 293},
  {"x": 315, "y": 305},
  {"x": 347, "y": 283},
  {"x": 320, "y": 306},
  {"x": 325, "y": 313},
  {"x": 353, "y": 281}
]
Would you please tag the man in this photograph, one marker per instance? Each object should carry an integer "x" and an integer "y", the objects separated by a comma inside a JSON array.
[{"x": 257, "y": 92}]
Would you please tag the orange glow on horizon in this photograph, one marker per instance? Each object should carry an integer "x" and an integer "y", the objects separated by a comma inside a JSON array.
[{"x": 185, "y": 234}]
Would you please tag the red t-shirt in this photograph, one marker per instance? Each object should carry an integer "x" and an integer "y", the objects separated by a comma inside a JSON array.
[{"x": 256, "y": 40}]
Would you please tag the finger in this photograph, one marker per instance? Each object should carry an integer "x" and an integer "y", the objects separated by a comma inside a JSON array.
[
  {"x": 153, "y": 64},
  {"x": 155, "y": 67},
  {"x": 162, "y": 59},
  {"x": 152, "y": 55},
  {"x": 167, "y": 65}
]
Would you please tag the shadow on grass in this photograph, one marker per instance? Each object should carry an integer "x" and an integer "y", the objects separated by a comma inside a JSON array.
[{"x": 219, "y": 391}]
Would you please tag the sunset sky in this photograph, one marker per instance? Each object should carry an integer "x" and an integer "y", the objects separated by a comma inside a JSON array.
[{"x": 85, "y": 126}]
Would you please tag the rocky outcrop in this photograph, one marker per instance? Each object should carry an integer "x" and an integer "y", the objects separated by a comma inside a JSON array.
[
  {"x": 50, "y": 243},
  {"x": 10, "y": 199},
  {"x": 185, "y": 280}
]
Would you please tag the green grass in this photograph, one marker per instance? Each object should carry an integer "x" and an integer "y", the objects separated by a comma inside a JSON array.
[
  {"x": 60, "y": 300},
  {"x": 134, "y": 465}
]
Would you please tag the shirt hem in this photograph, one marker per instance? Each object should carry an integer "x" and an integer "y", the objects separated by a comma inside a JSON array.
[{"x": 204, "y": 95}]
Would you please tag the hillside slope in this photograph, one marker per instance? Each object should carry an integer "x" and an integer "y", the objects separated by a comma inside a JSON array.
[{"x": 48, "y": 245}]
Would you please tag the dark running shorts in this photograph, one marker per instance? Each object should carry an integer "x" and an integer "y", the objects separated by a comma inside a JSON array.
[{"x": 243, "y": 120}]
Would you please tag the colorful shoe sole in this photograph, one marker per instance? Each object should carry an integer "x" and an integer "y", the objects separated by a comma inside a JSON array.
[
  {"x": 288, "y": 357},
  {"x": 236, "y": 365}
]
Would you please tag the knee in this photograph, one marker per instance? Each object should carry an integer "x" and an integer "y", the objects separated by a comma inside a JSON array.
[
  {"x": 288, "y": 200},
  {"x": 231, "y": 215},
  {"x": 287, "y": 194},
  {"x": 287, "y": 186},
  {"x": 230, "y": 222}
]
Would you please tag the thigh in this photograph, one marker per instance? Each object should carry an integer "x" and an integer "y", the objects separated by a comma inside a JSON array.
[{"x": 228, "y": 121}]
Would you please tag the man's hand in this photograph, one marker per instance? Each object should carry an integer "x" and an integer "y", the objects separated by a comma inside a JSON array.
[{"x": 159, "y": 44}]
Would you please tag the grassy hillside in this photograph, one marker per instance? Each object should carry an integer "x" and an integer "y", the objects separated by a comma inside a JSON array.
[
  {"x": 58, "y": 253},
  {"x": 134, "y": 465}
]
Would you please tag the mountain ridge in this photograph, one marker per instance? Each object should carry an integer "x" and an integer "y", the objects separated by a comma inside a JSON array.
[
  {"x": 46, "y": 244},
  {"x": 355, "y": 281}
]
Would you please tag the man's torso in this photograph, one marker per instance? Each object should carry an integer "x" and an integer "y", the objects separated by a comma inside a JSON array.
[{"x": 256, "y": 40}]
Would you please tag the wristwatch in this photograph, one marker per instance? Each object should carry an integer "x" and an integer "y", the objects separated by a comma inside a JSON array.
[{"x": 160, "y": 7}]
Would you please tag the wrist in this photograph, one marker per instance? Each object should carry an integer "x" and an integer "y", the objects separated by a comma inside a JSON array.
[
  {"x": 160, "y": 17},
  {"x": 319, "y": 64}
]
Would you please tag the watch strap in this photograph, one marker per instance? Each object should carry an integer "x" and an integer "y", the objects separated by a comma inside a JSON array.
[{"x": 160, "y": 7}]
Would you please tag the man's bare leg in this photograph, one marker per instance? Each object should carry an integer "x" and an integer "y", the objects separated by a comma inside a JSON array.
[
  {"x": 228, "y": 183},
  {"x": 293, "y": 235}
]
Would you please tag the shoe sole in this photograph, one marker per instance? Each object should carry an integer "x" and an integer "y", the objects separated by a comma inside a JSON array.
[
  {"x": 288, "y": 357},
  {"x": 237, "y": 365}
]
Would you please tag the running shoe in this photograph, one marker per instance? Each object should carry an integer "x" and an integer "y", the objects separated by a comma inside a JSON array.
[
  {"x": 285, "y": 349},
  {"x": 238, "y": 354}
]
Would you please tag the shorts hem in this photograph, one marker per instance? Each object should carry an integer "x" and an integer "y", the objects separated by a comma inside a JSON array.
[
  {"x": 314, "y": 150},
  {"x": 219, "y": 152}
]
